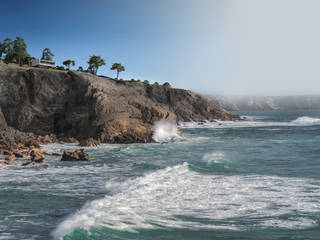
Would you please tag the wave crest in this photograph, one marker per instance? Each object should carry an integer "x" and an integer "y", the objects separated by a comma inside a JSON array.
[
  {"x": 180, "y": 198},
  {"x": 306, "y": 121}
]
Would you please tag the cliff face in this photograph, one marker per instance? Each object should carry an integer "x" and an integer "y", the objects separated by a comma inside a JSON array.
[
  {"x": 269, "y": 103},
  {"x": 81, "y": 105}
]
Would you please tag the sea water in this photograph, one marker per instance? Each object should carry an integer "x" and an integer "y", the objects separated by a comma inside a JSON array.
[{"x": 254, "y": 179}]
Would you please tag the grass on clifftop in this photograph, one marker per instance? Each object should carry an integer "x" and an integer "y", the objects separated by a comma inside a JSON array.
[{"x": 34, "y": 68}]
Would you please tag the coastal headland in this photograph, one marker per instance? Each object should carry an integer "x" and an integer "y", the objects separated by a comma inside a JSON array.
[{"x": 39, "y": 106}]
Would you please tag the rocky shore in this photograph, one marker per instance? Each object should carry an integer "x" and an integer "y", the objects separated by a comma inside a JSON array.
[{"x": 39, "y": 106}]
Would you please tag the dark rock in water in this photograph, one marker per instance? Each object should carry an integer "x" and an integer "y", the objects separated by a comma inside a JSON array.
[
  {"x": 20, "y": 154},
  {"x": 5, "y": 163},
  {"x": 82, "y": 106},
  {"x": 37, "y": 156},
  {"x": 51, "y": 154},
  {"x": 78, "y": 155},
  {"x": 28, "y": 164}
]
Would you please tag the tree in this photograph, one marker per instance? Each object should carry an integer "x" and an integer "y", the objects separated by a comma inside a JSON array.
[
  {"x": 118, "y": 67},
  {"x": 67, "y": 63},
  {"x": 47, "y": 54},
  {"x": 94, "y": 63},
  {"x": 7, "y": 49},
  {"x": 27, "y": 59},
  {"x": 167, "y": 85},
  {"x": 20, "y": 50},
  {"x": 80, "y": 69}
]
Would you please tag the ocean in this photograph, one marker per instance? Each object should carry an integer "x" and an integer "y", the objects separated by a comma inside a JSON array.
[{"x": 256, "y": 179}]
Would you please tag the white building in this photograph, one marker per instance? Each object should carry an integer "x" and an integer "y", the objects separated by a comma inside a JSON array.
[{"x": 42, "y": 63}]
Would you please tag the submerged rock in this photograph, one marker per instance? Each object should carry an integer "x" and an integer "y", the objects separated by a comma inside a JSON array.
[{"x": 78, "y": 155}]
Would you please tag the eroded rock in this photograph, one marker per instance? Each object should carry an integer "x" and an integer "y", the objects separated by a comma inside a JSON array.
[{"x": 78, "y": 155}]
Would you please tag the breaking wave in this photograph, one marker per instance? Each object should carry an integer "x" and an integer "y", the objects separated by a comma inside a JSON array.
[
  {"x": 177, "y": 197},
  {"x": 165, "y": 131},
  {"x": 306, "y": 121},
  {"x": 301, "y": 121}
]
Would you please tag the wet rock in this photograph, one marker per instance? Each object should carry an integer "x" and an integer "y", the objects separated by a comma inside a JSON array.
[
  {"x": 73, "y": 140},
  {"x": 78, "y": 155},
  {"x": 5, "y": 163},
  {"x": 10, "y": 157},
  {"x": 5, "y": 152},
  {"x": 55, "y": 154},
  {"x": 47, "y": 139},
  {"x": 28, "y": 164},
  {"x": 20, "y": 154},
  {"x": 37, "y": 156},
  {"x": 51, "y": 154},
  {"x": 40, "y": 160},
  {"x": 90, "y": 142}
]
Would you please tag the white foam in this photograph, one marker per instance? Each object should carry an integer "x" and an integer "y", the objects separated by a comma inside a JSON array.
[
  {"x": 176, "y": 197},
  {"x": 306, "y": 121},
  {"x": 301, "y": 121},
  {"x": 216, "y": 157},
  {"x": 165, "y": 131}
]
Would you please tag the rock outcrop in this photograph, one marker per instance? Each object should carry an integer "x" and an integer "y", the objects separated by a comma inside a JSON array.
[
  {"x": 64, "y": 105},
  {"x": 77, "y": 155}
]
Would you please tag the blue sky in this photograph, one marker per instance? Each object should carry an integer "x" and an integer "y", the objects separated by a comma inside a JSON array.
[
  {"x": 229, "y": 47},
  {"x": 143, "y": 35}
]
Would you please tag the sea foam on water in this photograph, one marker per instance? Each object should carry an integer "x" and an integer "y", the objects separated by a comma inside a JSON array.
[{"x": 157, "y": 198}]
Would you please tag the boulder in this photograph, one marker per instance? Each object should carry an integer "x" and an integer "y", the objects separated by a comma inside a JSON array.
[
  {"x": 73, "y": 140},
  {"x": 20, "y": 154},
  {"x": 10, "y": 157},
  {"x": 37, "y": 156},
  {"x": 78, "y": 155}
]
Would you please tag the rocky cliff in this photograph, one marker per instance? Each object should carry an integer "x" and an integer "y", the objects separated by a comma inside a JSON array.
[{"x": 82, "y": 105}]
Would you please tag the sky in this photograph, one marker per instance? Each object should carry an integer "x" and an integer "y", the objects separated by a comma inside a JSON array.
[{"x": 225, "y": 47}]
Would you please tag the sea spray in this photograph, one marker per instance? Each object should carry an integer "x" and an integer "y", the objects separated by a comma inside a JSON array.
[{"x": 166, "y": 131}]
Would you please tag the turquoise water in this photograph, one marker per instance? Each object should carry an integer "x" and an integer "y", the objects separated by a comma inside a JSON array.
[{"x": 257, "y": 179}]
